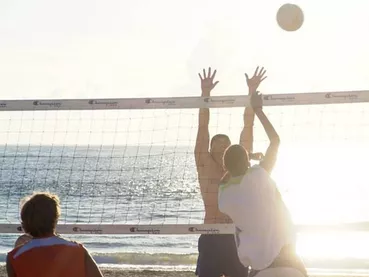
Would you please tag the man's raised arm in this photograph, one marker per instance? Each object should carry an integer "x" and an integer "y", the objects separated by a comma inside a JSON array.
[
  {"x": 247, "y": 136},
  {"x": 272, "y": 151},
  {"x": 203, "y": 137}
]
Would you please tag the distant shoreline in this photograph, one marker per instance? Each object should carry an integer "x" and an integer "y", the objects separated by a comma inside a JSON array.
[
  {"x": 118, "y": 272},
  {"x": 115, "y": 272}
]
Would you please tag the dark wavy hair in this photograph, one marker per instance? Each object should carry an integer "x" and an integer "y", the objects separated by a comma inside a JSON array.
[
  {"x": 40, "y": 214},
  {"x": 236, "y": 160}
]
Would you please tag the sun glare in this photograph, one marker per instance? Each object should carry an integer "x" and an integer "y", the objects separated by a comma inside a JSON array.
[
  {"x": 322, "y": 188},
  {"x": 334, "y": 245}
]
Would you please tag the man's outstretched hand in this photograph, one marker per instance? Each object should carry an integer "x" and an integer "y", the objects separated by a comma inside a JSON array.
[
  {"x": 254, "y": 82},
  {"x": 256, "y": 100},
  {"x": 207, "y": 81}
]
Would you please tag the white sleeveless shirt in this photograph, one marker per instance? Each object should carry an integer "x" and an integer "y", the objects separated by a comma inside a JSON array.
[{"x": 263, "y": 223}]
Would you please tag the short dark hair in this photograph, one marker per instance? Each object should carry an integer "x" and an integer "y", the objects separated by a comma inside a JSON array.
[
  {"x": 236, "y": 160},
  {"x": 40, "y": 213},
  {"x": 219, "y": 136}
]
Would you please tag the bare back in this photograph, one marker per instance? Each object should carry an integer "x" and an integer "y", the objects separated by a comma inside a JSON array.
[{"x": 209, "y": 174}]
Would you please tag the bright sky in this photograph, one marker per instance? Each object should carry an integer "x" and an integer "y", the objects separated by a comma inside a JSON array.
[{"x": 114, "y": 48}]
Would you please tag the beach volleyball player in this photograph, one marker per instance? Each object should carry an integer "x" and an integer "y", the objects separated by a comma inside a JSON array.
[
  {"x": 264, "y": 229},
  {"x": 218, "y": 253}
]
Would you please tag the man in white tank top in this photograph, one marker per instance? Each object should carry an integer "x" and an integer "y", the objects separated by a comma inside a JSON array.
[{"x": 265, "y": 235}]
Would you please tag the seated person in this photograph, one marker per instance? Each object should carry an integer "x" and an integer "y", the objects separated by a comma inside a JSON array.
[{"x": 47, "y": 254}]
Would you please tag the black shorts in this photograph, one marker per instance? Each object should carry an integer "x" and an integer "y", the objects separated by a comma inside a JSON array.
[{"x": 218, "y": 256}]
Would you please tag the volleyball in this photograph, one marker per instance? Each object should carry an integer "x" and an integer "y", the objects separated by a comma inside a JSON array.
[{"x": 290, "y": 17}]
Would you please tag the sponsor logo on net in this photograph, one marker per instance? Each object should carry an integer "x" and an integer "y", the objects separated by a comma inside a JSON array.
[
  {"x": 279, "y": 97},
  {"x": 160, "y": 102},
  {"x": 3, "y": 105},
  {"x": 106, "y": 103},
  {"x": 47, "y": 103},
  {"x": 204, "y": 230},
  {"x": 220, "y": 101},
  {"x": 90, "y": 231},
  {"x": 144, "y": 231},
  {"x": 342, "y": 96}
]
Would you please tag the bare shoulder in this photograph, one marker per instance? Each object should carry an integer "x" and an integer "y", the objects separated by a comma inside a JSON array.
[
  {"x": 23, "y": 239},
  {"x": 210, "y": 176},
  {"x": 205, "y": 166}
]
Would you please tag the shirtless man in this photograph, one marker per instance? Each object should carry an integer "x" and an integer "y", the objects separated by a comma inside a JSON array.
[{"x": 218, "y": 253}]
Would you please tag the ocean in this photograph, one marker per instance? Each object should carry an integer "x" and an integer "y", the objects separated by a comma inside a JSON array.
[{"x": 158, "y": 185}]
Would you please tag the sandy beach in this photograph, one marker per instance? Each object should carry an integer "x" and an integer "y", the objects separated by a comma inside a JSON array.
[
  {"x": 109, "y": 272},
  {"x": 131, "y": 273},
  {"x": 127, "y": 273}
]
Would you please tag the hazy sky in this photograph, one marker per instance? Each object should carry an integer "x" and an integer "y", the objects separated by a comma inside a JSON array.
[{"x": 115, "y": 48}]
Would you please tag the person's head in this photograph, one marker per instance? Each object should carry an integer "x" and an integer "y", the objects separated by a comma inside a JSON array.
[
  {"x": 218, "y": 144},
  {"x": 236, "y": 160},
  {"x": 39, "y": 214}
]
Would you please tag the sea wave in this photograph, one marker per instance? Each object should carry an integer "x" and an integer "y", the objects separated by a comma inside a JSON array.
[
  {"x": 145, "y": 258},
  {"x": 133, "y": 259},
  {"x": 187, "y": 262},
  {"x": 157, "y": 259}
]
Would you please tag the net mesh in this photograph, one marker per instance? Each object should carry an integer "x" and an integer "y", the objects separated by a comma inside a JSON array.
[{"x": 137, "y": 166}]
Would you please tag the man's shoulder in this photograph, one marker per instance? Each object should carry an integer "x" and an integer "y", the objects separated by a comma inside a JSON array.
[
  {"x": 208, "y": 163},
  {"x": 230, "y": 182},
  {"x": 256, "y": 167},
  {"x": 250, "y": 173},
  {"x": 203, "y": 160},
  {"x": 256, "y": 170},
  {"x": 210, "y": 173},
  {"x": 20, "y": 243},
  {"x": 257, "y": 178},
  {"x": 22, "y": 239},
  {"x": 67, "y": 242}
]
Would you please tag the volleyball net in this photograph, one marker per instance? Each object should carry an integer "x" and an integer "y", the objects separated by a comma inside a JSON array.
[{"x": 126, "y": 166}]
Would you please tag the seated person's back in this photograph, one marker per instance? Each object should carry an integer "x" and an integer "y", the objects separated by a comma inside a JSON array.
[
  {"x": 47, "y": 254},
  {"x": 52, "y": 256}
]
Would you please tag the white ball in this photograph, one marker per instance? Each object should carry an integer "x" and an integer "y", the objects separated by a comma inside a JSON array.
[{"x": 290, "y": 17}]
